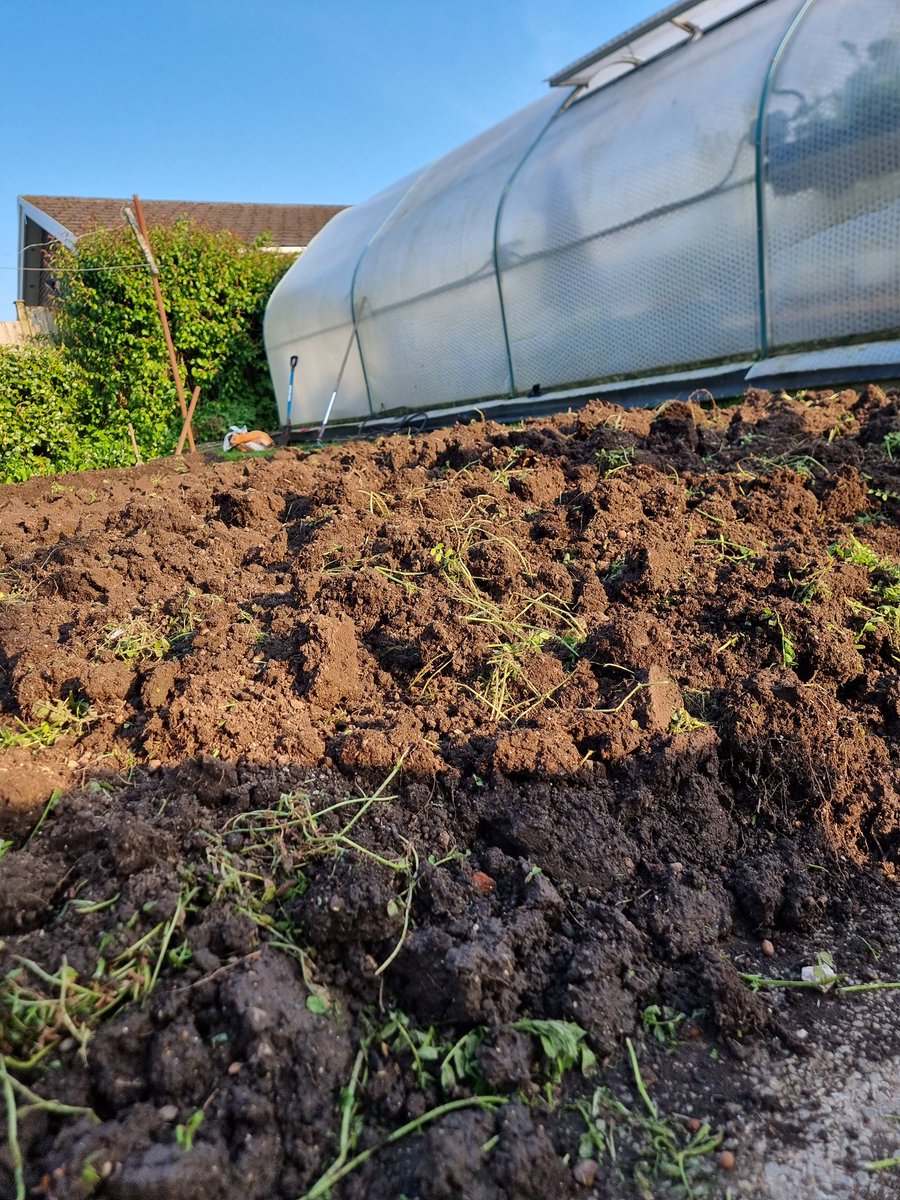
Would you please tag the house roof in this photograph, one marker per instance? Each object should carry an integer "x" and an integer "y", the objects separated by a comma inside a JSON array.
[{"x": 287, "y": 224}]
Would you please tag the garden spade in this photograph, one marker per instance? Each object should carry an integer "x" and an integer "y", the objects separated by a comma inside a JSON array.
[{"x": 286, "y": 430}]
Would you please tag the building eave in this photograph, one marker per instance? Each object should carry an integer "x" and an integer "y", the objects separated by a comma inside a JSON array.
[{"x": 46, "y": 222}]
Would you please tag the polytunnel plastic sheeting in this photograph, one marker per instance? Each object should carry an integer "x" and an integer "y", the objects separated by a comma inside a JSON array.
[
  {"x": 310, "y": 314},
  {"x": 738, "y": 195},
  {"x": 628, "y": 241},
  {"x": 832, "y": 180},
  {"x": 433, "y": 331}
]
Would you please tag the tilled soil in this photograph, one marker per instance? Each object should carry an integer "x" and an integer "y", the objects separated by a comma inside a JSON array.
[{"x": 434, "y": 812}]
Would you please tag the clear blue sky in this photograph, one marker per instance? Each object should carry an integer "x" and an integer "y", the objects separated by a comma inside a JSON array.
[{"x": 283, "y": 101}]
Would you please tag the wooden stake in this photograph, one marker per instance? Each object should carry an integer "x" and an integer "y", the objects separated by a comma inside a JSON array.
[
  {"x": 144, "y": 242},
  {"x": 134, "y": 445},
  {"x": 186, "y": 428}
]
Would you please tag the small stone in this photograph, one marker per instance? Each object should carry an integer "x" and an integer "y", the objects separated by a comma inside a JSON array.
[
  {"x": 168, "y": 1112},
  {"x": 106, "y": 1169},
  {"x": 234, "y": 1067},
  {"x": 258, "y": 1019},
  {"x": 585, "y": 1172},
  {"x": 767, "y": 948},
  {"x": 726, "y": 1160},
  {"x": 154, "y": 764}
]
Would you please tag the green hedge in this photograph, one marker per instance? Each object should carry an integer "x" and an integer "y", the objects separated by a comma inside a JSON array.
[
  {"x": 43, "y": 397},
  {"x": 69, "y": 406}
]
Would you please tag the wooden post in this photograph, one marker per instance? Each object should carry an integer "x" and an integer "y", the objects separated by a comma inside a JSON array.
[
  {"x": 134, "y": 446},
  {"x": 186, "y": 428},
  {"x": 136, "y": 220}
]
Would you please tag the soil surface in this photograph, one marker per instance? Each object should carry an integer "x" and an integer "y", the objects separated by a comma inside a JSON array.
[{"x": 442, "y": 816}]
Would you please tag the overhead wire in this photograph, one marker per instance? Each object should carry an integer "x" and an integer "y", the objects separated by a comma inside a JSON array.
[
  {"x": 33, "y": 246},
  {"x": 79, "y": 270},
  {"x": 66, "y": 270}
]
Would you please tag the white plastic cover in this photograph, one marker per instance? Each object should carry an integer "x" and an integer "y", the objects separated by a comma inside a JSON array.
[
  {"x": 833, "y": 176},
  {"x": 310, "y": 314},
  {"x": 739, "y": 192},
  {"x": 434, "y": 331},
  {"x": 628, "y": 240}
]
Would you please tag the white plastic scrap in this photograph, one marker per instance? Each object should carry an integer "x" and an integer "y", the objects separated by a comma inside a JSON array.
[{"x": 821, "y": 972}]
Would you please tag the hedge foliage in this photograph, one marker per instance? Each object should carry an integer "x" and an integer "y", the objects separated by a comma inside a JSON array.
[
  {"x": 42, "y": 397},
  {"x": 69, "y": 406}
]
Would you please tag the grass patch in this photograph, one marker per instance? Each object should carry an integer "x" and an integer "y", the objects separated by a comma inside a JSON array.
[
  {"x": 821, "y": 976},
  {"x": 683, "y": 722},
  {"x": 613, "y": 460},
  {"x": 20, "y": 1102},
  {"x": 801, "y": 464},
  {"x": 662, "y": 1022},
  {"x": 433, "y": 1062},
  {"x": 53, "y": 719},
  {"x": 41, "y": 1007},
  {"x": 731, "y": 551},
  {"x": 881, "y": 618},
  {"x": 521, "y": 626},
  {"x": 14, "y": 589},
  {"x": 670, "y": 1152},
  {"x": 509, "y": 471},
  {"x": 185, "y": 1134},
  {"x": 786, "y": 646},
  {"x": 137, "y": 640},
  {"x": 562, "y": 1046},
  {"x": 276, "y": 845}
]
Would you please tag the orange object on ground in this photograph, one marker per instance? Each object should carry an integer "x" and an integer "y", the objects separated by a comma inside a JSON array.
[{"x": 255, "y": 439}]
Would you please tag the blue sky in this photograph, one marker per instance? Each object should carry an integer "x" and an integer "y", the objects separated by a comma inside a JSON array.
[{"x": 282, "y": 101}]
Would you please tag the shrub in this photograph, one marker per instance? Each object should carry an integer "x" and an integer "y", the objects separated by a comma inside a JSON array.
[
  {"x": 215, "y": 288},
  {"x": 43, "y": 397},
  {"x": 67, "y": 407}
]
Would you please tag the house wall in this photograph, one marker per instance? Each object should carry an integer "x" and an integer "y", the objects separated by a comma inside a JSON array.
[{"x": 32, "y": 259}]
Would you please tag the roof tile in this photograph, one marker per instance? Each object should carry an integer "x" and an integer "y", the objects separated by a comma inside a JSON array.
[{"x": 287, "y": 224}]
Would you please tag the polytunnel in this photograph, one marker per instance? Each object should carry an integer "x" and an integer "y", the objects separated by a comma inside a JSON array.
[{"x": 714, "y": 196}]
